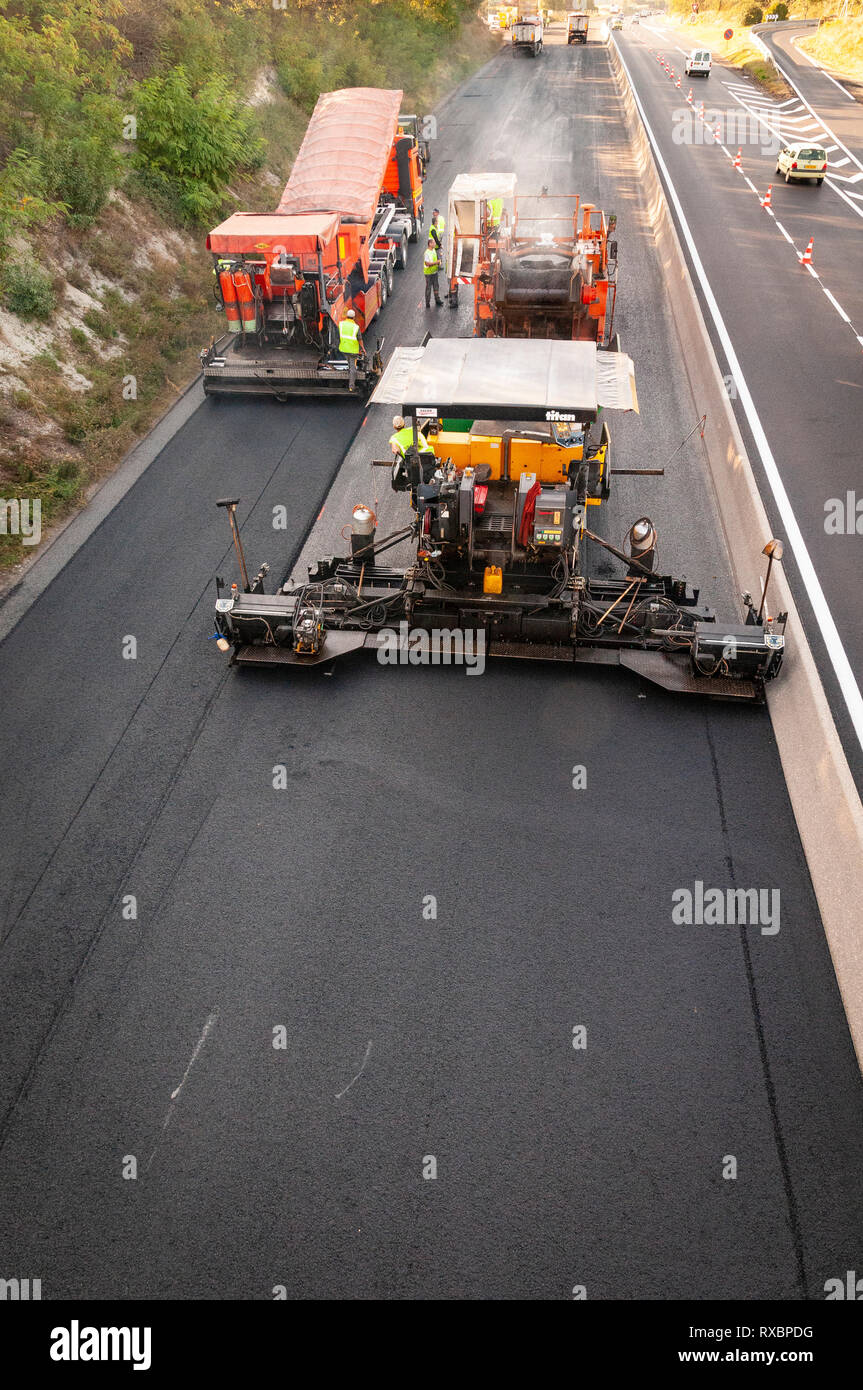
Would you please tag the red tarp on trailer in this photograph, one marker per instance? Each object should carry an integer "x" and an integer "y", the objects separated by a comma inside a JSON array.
[
  {"x": 251, "y": 231},
  {"x": 345, "y": 151}
]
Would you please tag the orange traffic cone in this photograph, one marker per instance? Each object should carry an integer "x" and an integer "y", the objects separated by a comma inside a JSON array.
[
  {"x": 806, "y": 258},
  {"x": 677, "y": 83},
  {"x": 717, "y": 132},
  {"x": 765, "y": 202},
  {"x": 689, "y": 96},
  {"x": 737, "y": 163}
]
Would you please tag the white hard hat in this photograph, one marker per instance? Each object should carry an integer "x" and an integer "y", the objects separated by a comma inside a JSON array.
[
  {"x": 398, "y": 422},
  {"x": 351, "y": 314}
]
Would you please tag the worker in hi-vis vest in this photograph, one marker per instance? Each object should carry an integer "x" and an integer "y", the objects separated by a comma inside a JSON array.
[
  {"x": 437, "y": 228},
  {"x": 351, "y": 345},
  {"x": 495, "y": 212},
  {"x": 431, "y": 266},
  {"x": 403, "y": 439}
]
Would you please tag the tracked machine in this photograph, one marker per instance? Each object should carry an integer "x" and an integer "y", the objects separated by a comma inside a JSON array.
[
  {"x": 286, "y": 279},
  {"x": 540, "y": 266},
  {"x": 502, "y": 547}
]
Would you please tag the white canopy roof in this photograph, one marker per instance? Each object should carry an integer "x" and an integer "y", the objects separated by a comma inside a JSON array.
[
  {"x": 507, "y": 378},
  {"x": 472, "y": 187}
]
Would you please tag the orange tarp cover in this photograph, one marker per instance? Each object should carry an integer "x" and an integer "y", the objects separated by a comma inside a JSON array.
[
  {"x": 345, "y": 151},
  {"x": 251, "y": 231}
]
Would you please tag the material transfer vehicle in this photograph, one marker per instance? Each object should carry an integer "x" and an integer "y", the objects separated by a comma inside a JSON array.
[
  {"x": 802, "y": 163},
  {"x": 503, "y": 550}
]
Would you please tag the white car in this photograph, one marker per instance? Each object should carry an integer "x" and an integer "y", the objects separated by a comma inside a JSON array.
[
  {"x": 698, "y": 63},
  {"x": 805, "y": 162}
]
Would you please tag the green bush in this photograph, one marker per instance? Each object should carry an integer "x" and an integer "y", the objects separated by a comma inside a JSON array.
[
  {"x": 780, "y": 9},
  {"x": 196, "y": 138},
  {"x": 754, "y": 15},
  {"x": 80, "y": 173},
  {"x": 28, "y": 291}
]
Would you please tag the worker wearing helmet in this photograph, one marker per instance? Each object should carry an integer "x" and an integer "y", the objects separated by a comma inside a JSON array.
[
  {"x": 351, "y": 345},
  {"x": 437, "y": 228},
  {"x": 402, "y": 445},
  {"x": 431, "y": 267},
  {"x": 403, "y": 439}
]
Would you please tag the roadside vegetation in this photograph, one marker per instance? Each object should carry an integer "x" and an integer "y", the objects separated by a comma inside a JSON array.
[
  {"x": 127, "y": 129},
  {"x": 845, "y": 41}
]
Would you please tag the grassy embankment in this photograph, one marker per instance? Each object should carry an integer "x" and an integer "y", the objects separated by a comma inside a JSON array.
[
  {"x": 838, "y": 44},
  {"x": 127, "y": 129}
]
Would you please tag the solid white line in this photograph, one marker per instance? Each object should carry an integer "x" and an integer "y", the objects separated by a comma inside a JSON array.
[
  {"x": 846, "y": 197},
  {"x": 836, "y": 305},
  {"x": 208, "y": 1028},
  {"x": 751, "y": 184},
  {"x": 784, "y": 233},
  {"x": 812, "y": 584},
  {"x": 795, "y": 42},
  {"x": 838, "y": 163}
]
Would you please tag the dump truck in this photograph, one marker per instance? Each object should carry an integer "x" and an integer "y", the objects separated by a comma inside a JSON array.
[
  {"x": 286, "y": 279},
  {"x": 504, "y": 555},
  {"x": 541, "y": 265},
  {"x": 527, "y": 35},
  {"x": 577, "y": 24}
]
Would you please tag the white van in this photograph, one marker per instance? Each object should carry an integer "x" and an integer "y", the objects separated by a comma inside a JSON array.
[{"x": 698, "y": 63}]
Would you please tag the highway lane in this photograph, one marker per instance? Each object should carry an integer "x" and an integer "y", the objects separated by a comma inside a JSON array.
[
  {"x": 833, "y": 100},
  {"x": 407, "y": 1037},
  {"x": 799, "y": 357}
]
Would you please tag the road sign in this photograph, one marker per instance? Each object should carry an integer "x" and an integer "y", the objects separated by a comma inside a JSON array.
[{"x": 729, "y": 33}]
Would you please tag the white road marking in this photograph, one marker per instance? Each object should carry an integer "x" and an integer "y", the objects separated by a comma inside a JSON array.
[
  {"x": 795, "y": 44},
  {"x": 812, "y": 584},
  {"x": 359, "y": 1073},
  {"x": 836, "y": 305},
  {"x": 784, "y": 233}
]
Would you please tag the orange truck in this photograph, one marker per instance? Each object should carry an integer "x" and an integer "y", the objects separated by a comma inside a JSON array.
[{"x": 285, "y": 280}]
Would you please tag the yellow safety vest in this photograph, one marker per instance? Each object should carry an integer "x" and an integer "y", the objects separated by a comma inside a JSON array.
[
  {"x": 404, "y": 438},
  {"x": 349, "y": 336},
  {"x": 495, "y": 211},
  {"x": 431, "y": 264}
]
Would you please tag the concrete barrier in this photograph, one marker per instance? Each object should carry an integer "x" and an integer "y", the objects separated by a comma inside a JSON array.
[{"x": 823, "y": 796}]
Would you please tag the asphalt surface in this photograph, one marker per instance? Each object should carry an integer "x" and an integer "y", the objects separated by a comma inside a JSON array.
[
  {"x": 801, "y": 359},
  {"x": 407, "y": 1036}
]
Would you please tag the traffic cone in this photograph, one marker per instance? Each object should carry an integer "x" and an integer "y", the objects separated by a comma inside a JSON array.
[
  {"x": 689, "y": 96},
  {"x": 717, "y": 132},
  {"x": 677, "y": 83},
  {"x": 737, "y": 163},
  {"x": 806, "y": 258},
  {"x": 701, "y": 112},
  {"x": 765, "y": 201}
]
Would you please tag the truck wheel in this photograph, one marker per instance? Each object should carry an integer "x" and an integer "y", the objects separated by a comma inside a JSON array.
[
  {"x": 402, "y": 252},
  {"x": 384, "y": 291},
  {"x": 390, "y": 277},
  {"x": 415, "y": 230}
]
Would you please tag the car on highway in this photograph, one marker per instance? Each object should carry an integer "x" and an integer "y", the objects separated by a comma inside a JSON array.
[
  {"x": 617, "y": 22},
  {"x": 807, "y": 163},
  {"x": 698, "y": 63}
]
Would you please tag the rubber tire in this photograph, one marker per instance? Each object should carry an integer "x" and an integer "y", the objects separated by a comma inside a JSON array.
[
  {"x": 778, "y": 170},
  {"x": 402, "y": 252},
  {"x": 390, "y": 277},
  {"x": 818, "y": 183},
  {"x": 384, "y": 291},
  {"x": 788, "y": 177}
]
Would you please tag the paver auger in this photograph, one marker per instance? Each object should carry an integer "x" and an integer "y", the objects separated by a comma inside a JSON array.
[{"x": 502, "y": 548}]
